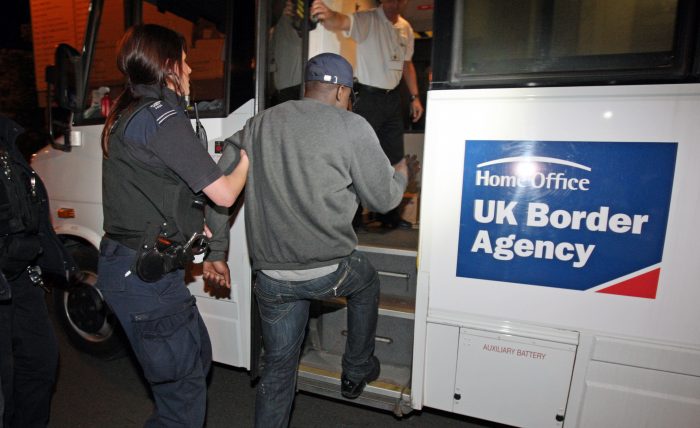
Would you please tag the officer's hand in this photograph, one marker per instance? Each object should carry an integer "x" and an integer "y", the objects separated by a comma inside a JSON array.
[{"x": 217, "y": 273}]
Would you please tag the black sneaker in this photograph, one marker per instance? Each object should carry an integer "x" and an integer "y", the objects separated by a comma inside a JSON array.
[
  {"x": 403, "y": 224},
  {"x": 350, "y": 389}
]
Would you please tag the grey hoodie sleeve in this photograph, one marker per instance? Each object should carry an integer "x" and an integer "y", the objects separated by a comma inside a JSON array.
[
  {"x": 217, "y": 218},
  {"x": 379, "y": 187}
]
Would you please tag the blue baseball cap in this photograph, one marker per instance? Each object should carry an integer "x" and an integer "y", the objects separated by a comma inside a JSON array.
[{"x": 329, "y": 68}]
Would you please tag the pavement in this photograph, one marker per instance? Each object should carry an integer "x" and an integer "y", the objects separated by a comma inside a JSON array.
[{"x": 91, "y": 392}]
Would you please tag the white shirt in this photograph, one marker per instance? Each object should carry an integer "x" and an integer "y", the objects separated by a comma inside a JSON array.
[{"x": 382, "y": 47}]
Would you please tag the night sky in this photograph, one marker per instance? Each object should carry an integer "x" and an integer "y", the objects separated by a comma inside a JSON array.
[
  {"x": 14, "y": 16},
  {"x": 18, "y": 97}
]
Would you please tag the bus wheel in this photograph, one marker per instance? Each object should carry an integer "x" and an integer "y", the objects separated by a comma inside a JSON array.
[{"x": 88, "y": 322}]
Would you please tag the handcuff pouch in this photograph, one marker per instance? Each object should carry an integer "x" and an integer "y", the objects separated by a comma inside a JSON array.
[{"x": 157, "y": 255}]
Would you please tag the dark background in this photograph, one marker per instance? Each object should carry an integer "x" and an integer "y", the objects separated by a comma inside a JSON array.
[{"x": 18, "y": 98}]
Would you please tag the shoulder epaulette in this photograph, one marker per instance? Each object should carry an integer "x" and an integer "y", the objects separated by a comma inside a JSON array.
[
  {"x": 123, "y": 121},
  {"x": 161, "y": 111}
]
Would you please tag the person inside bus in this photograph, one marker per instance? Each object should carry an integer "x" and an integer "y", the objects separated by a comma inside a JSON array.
[
  {"x": 384, "y": 52},
  {"x": 154, "y": 167},
  {"x": 310, "y": 162},
  {"x": 285, "y": 48}
]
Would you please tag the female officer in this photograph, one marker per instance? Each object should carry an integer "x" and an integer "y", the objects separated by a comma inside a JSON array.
[{"x": 153, "y": 168}]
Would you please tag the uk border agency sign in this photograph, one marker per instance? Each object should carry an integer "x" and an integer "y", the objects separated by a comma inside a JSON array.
[{"x": 573, "y": 215}]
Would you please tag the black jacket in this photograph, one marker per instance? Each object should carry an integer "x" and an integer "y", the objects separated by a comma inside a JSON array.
[{"x": 52, "y": 256}]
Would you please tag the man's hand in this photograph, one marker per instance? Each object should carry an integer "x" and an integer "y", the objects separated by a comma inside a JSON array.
[
  {"x": 402, "y": 168},
  {"x": 217, "y": 273},
  {"x": 331, "y": 20},
  {"x": 416, "y": 110},
  {"x": 320, "y": 11},
  {"x": 413, "y": 166}
]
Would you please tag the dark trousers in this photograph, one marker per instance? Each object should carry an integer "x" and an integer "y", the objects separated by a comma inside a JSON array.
[
  {"x": 284, "y": 312},
  {"x": 28, "y": 356},
  {"x": 287, "y": 94},
  {"x": 383, "y": 112},
  {"x": 166, "y": 333}
]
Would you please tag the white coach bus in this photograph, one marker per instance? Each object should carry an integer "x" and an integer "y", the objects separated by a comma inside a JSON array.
[{"x": 552, "y": 278}]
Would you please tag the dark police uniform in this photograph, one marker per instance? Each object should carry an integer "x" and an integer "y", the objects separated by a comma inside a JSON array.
[
  {"x": 155, "y": 166},
  {"x": 28, "y": 349}
]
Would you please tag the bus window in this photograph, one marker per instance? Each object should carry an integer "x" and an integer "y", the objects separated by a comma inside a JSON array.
[
  {"x": 562, "y": 41},
  {"x": 242, "y": 52},
  {"x": 105, "y": 81},
  {"x": 205, "y": 55}
]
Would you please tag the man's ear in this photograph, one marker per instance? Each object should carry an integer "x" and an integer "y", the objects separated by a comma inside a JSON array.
[{"x": 337, "y": 93}]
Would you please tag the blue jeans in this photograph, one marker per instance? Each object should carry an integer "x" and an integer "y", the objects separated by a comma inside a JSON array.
[
  {"x": 284, "y": 310},
  {"x": 166, "y": 333}
]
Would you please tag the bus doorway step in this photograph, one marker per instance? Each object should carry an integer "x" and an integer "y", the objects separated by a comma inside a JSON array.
[{"x": 389, "y": 392}]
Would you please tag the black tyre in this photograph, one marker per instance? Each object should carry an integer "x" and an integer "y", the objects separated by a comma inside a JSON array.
[{"x": 88, "y": 322}]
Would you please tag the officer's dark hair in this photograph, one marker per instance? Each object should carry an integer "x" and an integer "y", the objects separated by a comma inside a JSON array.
[{"x": 148, "y": 54}]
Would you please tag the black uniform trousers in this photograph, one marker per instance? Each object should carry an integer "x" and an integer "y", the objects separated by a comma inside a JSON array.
[
  {"x": 28, "y": 356},
  {"x": 287, "y": 94},
  {"x": 382, "y": 109}
]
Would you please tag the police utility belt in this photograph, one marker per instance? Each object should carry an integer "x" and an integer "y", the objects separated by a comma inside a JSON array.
[{"x": 157, "y": 255}]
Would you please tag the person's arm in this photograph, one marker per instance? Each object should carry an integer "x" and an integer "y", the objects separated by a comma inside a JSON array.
[
  {"x": 178, "y": 147},
  {"x": 225, "y": 190},
  {"x": 217, "y": 217},
  {"x": 379, "y": 186},
  {"x": 330, "y": 19},
  {"x": 215, "y": 269},
  {"x": 409, "y": 77}
]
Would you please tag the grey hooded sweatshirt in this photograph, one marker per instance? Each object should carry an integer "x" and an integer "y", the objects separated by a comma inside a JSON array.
[{"x": 310, "y": 165}]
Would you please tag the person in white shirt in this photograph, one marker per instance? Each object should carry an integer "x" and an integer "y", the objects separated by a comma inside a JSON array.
[{"x": 384, "y": 56}]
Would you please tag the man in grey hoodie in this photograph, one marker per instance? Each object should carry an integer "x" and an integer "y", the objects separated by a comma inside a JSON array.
[{"x": 311, "y": 162}]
